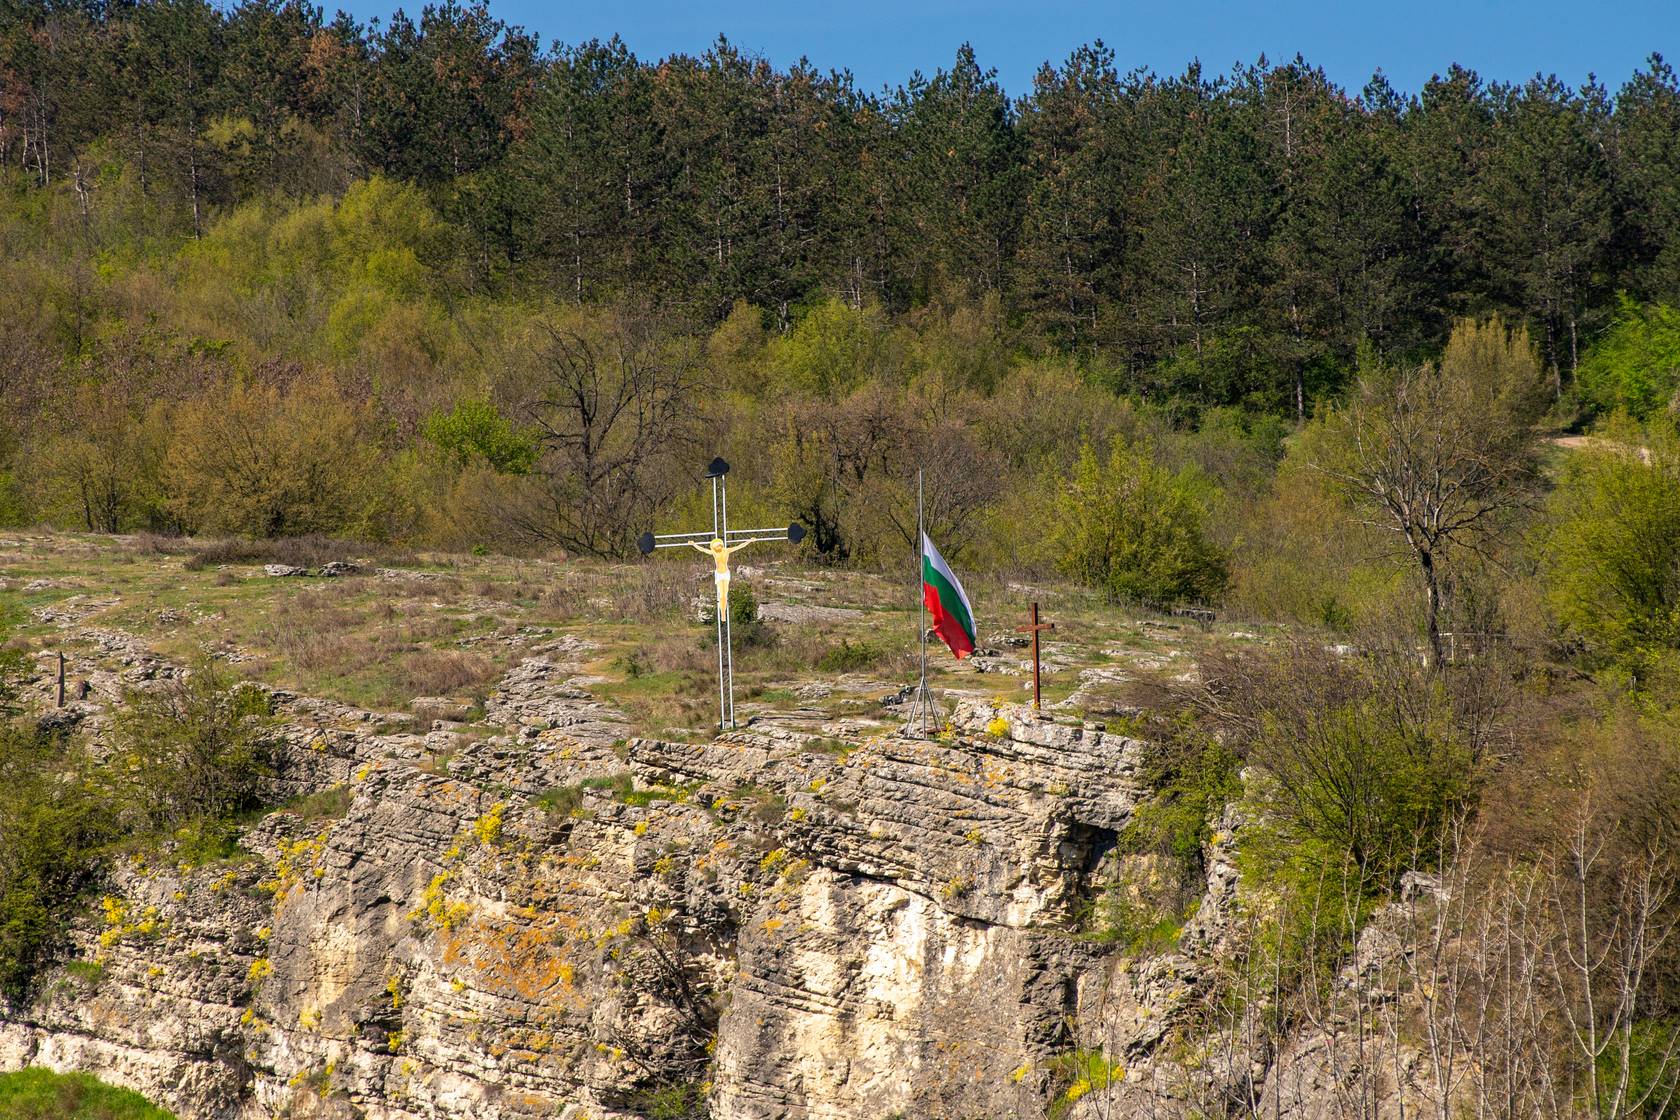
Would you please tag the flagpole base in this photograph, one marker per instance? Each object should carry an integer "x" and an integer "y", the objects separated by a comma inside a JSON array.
[{"x": 924, "y": 716}]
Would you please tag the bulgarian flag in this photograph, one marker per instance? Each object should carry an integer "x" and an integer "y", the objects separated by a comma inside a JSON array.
[{"x": 942, "y": 593}]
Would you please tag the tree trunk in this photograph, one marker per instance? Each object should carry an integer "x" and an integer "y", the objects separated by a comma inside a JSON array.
[
  {"x": 198, "y": 226},
  {"x": 1432, "y": 606}
]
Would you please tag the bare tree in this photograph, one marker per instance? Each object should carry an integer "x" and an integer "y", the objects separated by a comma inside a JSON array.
[
  {"x": 1612, "y": 916},
  {"x": 1437, "y": 452},
  {"x": 830, "y": 457},
  {"x": 615, "y": 411}
]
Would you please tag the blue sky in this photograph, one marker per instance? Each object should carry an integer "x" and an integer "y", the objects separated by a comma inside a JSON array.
[{"x": 883, "y": 41}]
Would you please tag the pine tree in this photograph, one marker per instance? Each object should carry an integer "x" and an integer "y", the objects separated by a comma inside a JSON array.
[
  {"x": 171, "y": 53},
  {"x": 956, "y": 183},
  {"x": 1544, "y": 202},
  {"x": 1204, "y": 216},
  {"x": 1441, "y": 143},
  {"x": 263, "y": 79},
  {"x": 446, "y": 93},
  {"x": 1074, "y": 138},
  {"x": 584, "y": 171},
  {"x": 1647, "y": 181}
]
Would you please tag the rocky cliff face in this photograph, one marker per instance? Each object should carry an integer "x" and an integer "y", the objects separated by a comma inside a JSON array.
[{"x": 506, "y": 928}]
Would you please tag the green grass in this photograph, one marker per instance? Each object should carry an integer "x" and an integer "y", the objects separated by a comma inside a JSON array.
[
  {"x": 329, "y": 804},
  {"x": 88, "y": 972},
  {"x": 828, "y": 746},
  {"x": 619, "y": 784},
  {"x": 645, "y": 797},
  {"x": 560, "y": 801},
  {"x": 623, "y": 789},
  {"x": 39, "y": 1094}
]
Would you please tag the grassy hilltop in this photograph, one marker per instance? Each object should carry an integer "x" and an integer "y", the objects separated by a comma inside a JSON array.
[{"x": 442, "y": 625}]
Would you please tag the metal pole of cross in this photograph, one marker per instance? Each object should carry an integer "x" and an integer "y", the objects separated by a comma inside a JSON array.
[{"x": 721, "y": 543}]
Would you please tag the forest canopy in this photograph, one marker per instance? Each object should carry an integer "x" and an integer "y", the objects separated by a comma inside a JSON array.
[{"x": 271, "y": 273}]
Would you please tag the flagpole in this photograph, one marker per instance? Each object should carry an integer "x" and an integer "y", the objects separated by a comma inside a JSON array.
[{"x": 921, "y": 599}]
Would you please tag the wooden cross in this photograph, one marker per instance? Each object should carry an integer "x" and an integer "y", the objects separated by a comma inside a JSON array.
[{"x": 1034, "y": 631}]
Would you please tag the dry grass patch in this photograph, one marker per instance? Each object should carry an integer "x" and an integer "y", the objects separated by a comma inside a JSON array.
[
  {"x": 354, "y": 641},
  {"x": 435, "y": 672}
]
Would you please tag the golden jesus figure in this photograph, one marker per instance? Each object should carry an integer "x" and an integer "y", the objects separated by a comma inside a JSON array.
[{"x": 719, "y": 552}]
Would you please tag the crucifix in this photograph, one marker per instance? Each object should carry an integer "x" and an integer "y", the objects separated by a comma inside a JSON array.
[
  {"x": 723, "y": 543},
  {"x": 1034, "y": 631}
]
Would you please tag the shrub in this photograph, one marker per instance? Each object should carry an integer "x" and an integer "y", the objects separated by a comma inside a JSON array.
[
  {"x": 55, "y": 817},
  {"x": 851, "y": 657},
  {"x": 1352, "y": 772},
  {"x": 308, "y": 551},
  {"x": 673, "y": 1102},
  {"x": 1081, "y": 1072},
  {"x": 1359, "y": 785},
  {"x": 13, "y": 666},
  {"x": 743, "y": 604},
  {"x": 744, "y": 624},
  {"x": 746, "y": 630},
  {"x": 559, "y": 801},
  {"x": 1288, "y": 567},
  {"x": 99, "y": 466},
  {"x": 199, "y": 746},
  {"x": 257, "y": 462},
  {"x": 1137, "y": 530},
  {"x": 1194, "y": 774}
]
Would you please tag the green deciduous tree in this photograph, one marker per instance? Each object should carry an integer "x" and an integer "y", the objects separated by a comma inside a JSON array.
[
  {"x": 475, "y": 430},
  {"x": 101, "y": 467},
  {"x": 1136, "y": 530},
  {"x": 1635, "y": 365},
  {"x": 1612, "y": 543},
  {"x": 262, "y": 462}
]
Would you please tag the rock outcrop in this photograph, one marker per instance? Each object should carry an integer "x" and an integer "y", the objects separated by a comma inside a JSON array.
[{"x": 555, "y": 920}]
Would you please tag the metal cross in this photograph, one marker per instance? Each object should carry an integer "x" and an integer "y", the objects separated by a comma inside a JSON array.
[
  {"x": 721, "y": 543},
  {"x": 1034, "y": 629}
]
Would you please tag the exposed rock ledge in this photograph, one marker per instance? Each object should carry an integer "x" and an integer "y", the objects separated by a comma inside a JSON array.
[{"x": 810, "y": 934}]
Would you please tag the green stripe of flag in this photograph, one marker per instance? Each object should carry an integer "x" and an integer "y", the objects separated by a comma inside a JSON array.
[{"x": 949, "y": 596}]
